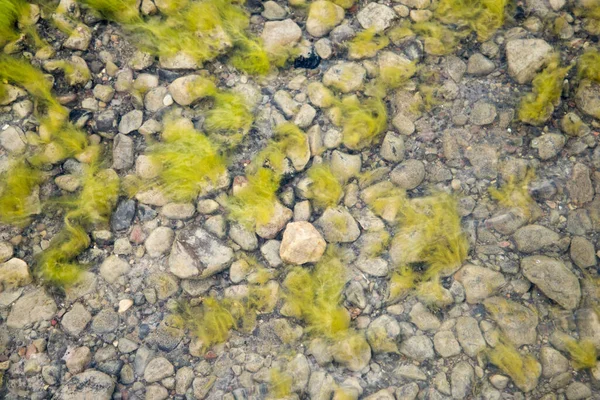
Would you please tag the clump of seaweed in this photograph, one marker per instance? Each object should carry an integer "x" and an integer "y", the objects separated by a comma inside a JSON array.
[
  {"x": 314, "y": 296},
  {"x": 588, "y": 65},
  {"x": 522, "y": 369},
  {"x": 200, "y": 30},
  {"x": 403, "y": 280},
  {"x": 366, "y": 44},
  {"x": 230, "y": 118},
  {"x": 190, "y": 161},
  {"x": 17, "y": 184},
  {"x": 363, "y": 122},
  {"x": 280, "y": 384},
  {"x": 484, "y": 17},
  {"x": 10, "y": 12},
  {"x": 589, "y": 10},
  {"x": 514, "y": 194},
  {"x": 583, "y": 353},
  {"x": 325, "y": 189},
  {"x": 253, "y": 204},
  {"x": 537, "y": 107},
  {"x": 438, "y": 39},
  {"x": 385, "y": 199}
]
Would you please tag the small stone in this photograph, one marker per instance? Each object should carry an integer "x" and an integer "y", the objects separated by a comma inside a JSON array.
[
  {"x": 409, "y": 174},
  {"x": 403, "y": 124},
  {"x": 587, "y": 98},
  {"x": 418, "y": 348},
  {"x": 286, "y": 103},
  {"x": 14, "y": 273},
  {"x": 469, "y": 336},
  {"x": 338, "y": 225},
  {"x": 114, "y": 267},
  {"x": 75, "y": 320},
  {"x": 243, "y": 237},
  {"x": 554, "y": 279},
  {"x": 376, "y": 16},
  {"x": 352, "y": 352},
  {"x": 79, "y": 39},
  {"x": 123, "y": 216},
  {"x": 324, "y": 48},
  {"x": 182, "y": 89},
  {"x": 6, "y": 251},
  {"x": 156, "y": 392},
  {"x": 178, "y": 211},
  {"x": 78, "y": 359},
  {"x": 517, "y": 322},
  {"x": 183, "y": 379},
  {"x": 131, "y": 121},
  {"x": 408, "y": 392},
  {"x": 382, "y": 334},
  {"x": 483, "y": 113},
  {"x": 479, "y": 282},
  {"x": 124, "y": 305},
  {"x": 423, "y": 319},
  {"x": 123, "y": 152},
  {"x": 549, "y": 145},
  {"x": 68, "y": 182},
  {"x": 305, "y": 116},
  {"x": 580, "y": 186},
  {"x": 272, "y": 11},
  {"x": 532, "y": 238},
  {"x": 392, "y": 148},
  {"x": 154, "y": 100},
  {"x": 279, "y": 34},
  {"x": 90, "y": 384},
  {"x": 32, "y": 307},
  {"x": 462, "y": 379},
  {"x": 323, "y": 16},
  {"x": 446, "y": 344},
  {"x": 578, "y": 391},
  {"x": 301, "y": 243},
  {"x": 13, "y": 140},
  {"x": 553, "y": 363},
  {"x": 480, "y": 65},
  {"x": 279, "y": 219},
  {"x": 345, "y": 76},
  {"x": 182, "y": 60},
  {"x": 106, "y": 321},
  {"x": 583, "y": 252},
  {"x": 525, "y": 57},
  {"x": 158, "y": 369},
  {"x": 159, "y": 241}
]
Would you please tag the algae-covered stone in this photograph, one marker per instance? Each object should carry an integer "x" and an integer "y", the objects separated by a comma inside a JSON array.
[
  {"x": 323, "y": 16},
  {"x": 345, "y": 76},
  {"x": 525, "y": 57},
  {"x": 517, "y": 322}
]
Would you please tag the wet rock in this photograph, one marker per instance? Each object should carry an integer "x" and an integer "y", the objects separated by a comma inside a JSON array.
[
  {"x": 301, "y": 243},
  {"x": 178, "y": 211},
  {"x": 525, "y": 57},
  {"x": 587, "y": 98},
  {"x": 13, "y": 140},
  {"x": 243, "y": 237},
  {"x": 423, "y": 319},
  {"x": 446, "y": 344},
  {"x": 123, "y": 152},
  {"x": 131, "y": 122},
  {"x": 579, "y": 185},
  {"x": 183, "y": 379},
  {"x": 106, "y": 321},
  {"x": 418, "y": 348},
  {"x": 90, "y": 384},
  {"x": 278, "y": 34},
  {"x": 272, "y": 11},
  {"x": 156, "y": 99},
  {"x": 517, "y": 322},
  {"x": 553, "y": 362},
  {"x": 182, "y": 89},
  {"x": 6, "y": 251},
  {"x": 32, "y": 307},
  {"x": 409, "y": 174},
  {"x": 123, "y": 216},
  {"x": 79, "y": 38},
  {"x": 382, "y": 334},
  {"x": 480, "y": 65},
  {"x": 548, "y": 145},
  {"x": 376, "y": 16},
  {"x": 338, "y": 225},
  {"x": 158, "y": 369},
  {"x": 78, "y": 359},
  {"x": 75, "y": 320},
  {"x": 483, "y": 113},
  {"x": 392, "y": 147},
  {"x": 554, "y": 279},
  {"x": 14, "y": 273},
  {"x": 279, "y": 219},
  {"x": 408, "y": 392},
  {"x": 582, "y": 252},
  {"x": 323, "y": 16},
  {"x": 479, "y": 282},
  {"x": 455, "y": 67},
  {"x": 197, "y": 253},
  {"x": 159, "y": 241},
  {"x": 532, "y": 238},
  {"x": 352, "y": 352},
  {"x": 462, "y": 379},
  {"x": 484, "y": 159},
  {"x": 578, "y": 391},
  {"x": 345, "y": 76},
  {"x": 286, "y": 103},
  {"x": 469, "y": 336},
  {"x": 113, "y": 267}
]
